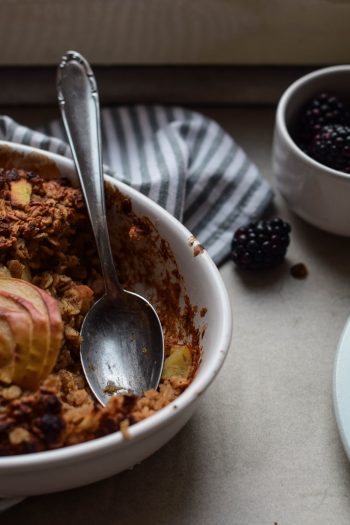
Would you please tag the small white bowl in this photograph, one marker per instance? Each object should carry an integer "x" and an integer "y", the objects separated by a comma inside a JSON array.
[
  {"x": 69, "y": 467},
  {"x": 318, "y": 194}
]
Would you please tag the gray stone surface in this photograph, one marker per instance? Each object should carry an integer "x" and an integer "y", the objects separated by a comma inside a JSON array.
[{"x": 263, "y": 447}]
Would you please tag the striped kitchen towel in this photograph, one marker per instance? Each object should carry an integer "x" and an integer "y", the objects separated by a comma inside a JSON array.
[{"x": 179, "y": 158}]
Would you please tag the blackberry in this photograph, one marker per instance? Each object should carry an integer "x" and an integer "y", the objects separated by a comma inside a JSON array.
[
  {"x": 261, "y": 244},
  {"x": 331, "y": 147},
  {"x": 323, "y": 109}
]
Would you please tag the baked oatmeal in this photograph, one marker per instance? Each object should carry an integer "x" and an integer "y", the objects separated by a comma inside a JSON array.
[{"x": 46, "y": 240}]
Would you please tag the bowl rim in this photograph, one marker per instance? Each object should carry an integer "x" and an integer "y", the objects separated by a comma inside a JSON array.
[
  {"x": 281, "y": 121},
  {"x": 202, "y": 380}
]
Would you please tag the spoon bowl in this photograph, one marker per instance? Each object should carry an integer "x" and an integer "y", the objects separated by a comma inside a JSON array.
[
  {"x": 122, "y": 350},
  {"x": 126, "y": 333}
]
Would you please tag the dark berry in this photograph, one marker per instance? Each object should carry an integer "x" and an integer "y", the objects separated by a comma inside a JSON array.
[
  {"x": 33, "y": 177},
  {"x": 50, "y": 425},
  {"x": 323, "y": 109},
  {"x": 12, "y": 175},
  {"x": 261, "y": 244},
  {"x": 331, "y": 147}
]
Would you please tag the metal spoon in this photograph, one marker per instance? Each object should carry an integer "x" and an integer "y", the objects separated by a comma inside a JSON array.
[{"x": 122, "y": 348}]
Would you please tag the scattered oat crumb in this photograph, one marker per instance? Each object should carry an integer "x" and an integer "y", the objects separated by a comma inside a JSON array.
[
  {"x": 111, "y": 388},
  {"x": 195, "y": 244},
  {"x": 198, "y": 249},
  {"x": 136, "y": 233},
  {"x": 124, "y": 429},
  {"x": 18, "y": 435},
  {"x": 299, "y": 271},
  {"x": 11, "y": 392}
]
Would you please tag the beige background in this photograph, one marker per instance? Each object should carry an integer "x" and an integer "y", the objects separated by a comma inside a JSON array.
[
  {"x": 263, "y": 447},
  {"x": 176, "y": 31}
]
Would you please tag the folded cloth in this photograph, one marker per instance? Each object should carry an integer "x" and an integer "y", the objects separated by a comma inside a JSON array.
[{"x": 180, "y": 159}]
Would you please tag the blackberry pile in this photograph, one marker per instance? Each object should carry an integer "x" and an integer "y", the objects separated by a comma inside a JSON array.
[
  {"x": 323, "y": 131},
  {"x": 331, "y": 147},
  {"x": 260, "y": 245}
]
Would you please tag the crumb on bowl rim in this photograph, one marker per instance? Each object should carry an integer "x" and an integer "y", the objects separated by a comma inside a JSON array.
[{"x": 281, "y": 121}]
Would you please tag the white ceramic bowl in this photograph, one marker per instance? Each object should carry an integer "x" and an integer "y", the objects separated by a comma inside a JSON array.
[
  {"x": 318, "y": 194},
  {"x": 85, "y": 463}
]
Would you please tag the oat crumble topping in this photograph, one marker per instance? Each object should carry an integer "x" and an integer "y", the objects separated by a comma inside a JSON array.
[{"x": 45, "y": 238}]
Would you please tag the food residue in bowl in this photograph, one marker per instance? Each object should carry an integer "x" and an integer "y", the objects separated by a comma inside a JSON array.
[{"x": 47, "y": 250}]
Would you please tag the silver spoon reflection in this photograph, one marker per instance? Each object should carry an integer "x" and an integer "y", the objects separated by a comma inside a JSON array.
[{"x": 122, "y": 350}]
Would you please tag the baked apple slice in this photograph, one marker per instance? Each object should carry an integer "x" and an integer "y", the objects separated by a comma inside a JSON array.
[
  {"x": 20, "y": 193},
  {"x": 56, "y": 331},
  {"x": 178, "y": 363},
  {"x": 47, "y": 330},
  {"x": 28, "y": 371},
  {"x": 7, "y": 351},
  {"x": 21, "y": 327}
]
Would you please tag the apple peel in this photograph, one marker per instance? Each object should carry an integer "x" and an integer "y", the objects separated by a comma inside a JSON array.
[
  {"x": 56, "y": 338},
  {"x": 37, "y": 346},
  {"x": 39, "y": 338},
  {"x": 20, "y": 325},
  {"x": 7, "y": 351}
]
